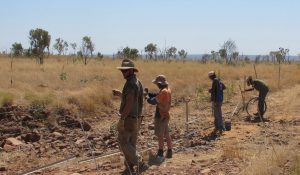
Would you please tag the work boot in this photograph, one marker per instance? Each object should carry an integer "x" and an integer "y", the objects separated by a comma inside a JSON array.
[
  {"x": 160, "y": 159},
  {"x": 214, "y": 132},
  {"x": 169, "y": 153},
  {"x": 258, "y": 119},
  {"x": 248, "y": 119},
  {"x": 142, "y": 167},
  {"x": 160, "y": 156},
  {"x": 160, "y": 153}
]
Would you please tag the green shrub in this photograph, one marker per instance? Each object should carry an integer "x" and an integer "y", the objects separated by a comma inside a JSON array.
[
  {"x": 63, "y": 76},
  {"x": 37, "y": 110},
  {"x": 229, "y": 91},
  {"x": 6, "y": 99},
  {"x": 37, "y": 106},
  {"x": 42, "y": 100},
  {"x": 201, "y": 94}
]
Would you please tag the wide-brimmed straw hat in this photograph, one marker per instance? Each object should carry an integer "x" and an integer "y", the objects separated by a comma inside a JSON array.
[
  {"x": 127, "y": 64},
  {"x": 160, "y": 79}
]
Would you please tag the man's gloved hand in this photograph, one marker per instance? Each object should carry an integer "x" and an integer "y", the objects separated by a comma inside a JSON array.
[
  {"x": 121, "y": 126},
  {"x": 151, "y": 98},
  {"x": 151, "y": 95}
]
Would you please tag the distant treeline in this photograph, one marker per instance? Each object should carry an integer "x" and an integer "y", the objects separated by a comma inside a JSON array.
[{"x": 227, "y": 53}]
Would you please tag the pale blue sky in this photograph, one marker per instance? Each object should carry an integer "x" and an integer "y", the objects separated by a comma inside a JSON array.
[{"x": 198, "y": 26}]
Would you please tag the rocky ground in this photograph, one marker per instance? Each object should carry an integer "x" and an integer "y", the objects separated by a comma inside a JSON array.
[{"x": 33, "y": 137}]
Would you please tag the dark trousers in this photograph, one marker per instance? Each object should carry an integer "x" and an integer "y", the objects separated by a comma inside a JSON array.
[
  {"x": 217, "y": 111},
  {"x": 127, "y": 139},
  {"x": 261, "y": 105}
]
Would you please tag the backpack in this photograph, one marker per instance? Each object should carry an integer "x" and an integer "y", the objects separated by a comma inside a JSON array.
[{"x": 221, "y": 88}]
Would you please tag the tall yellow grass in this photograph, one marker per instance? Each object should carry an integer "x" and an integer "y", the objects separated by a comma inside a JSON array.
[{"x": 90, "y": 85}]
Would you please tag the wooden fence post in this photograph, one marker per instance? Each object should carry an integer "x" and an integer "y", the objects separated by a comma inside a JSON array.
[
  {"x": 187, "y": 120},
  {"x": 11, "y": 71},
  {"x": 255, "y": 70},
  {"x": 187, "y": 115},
  {"x": 245, "y": 82},
  {"x": 279, "y": 76}
]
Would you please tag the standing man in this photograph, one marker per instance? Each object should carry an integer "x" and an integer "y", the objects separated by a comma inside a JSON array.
[
  {"x": 263, "y": 90},
  {"x": 130, "y": 111},
  {"x": 216, "y": 98},
  {"x": 162, "y": 100}
]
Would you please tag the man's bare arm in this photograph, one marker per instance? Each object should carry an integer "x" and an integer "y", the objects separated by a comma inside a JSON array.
[{"x": 250, "y": 89}]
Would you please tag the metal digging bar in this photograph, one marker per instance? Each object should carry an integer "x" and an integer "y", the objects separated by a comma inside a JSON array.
[
  {"x": 88, "y": 142},
  {"x": 100, "y": 156},
  {"x": 119, "y": 152},
  {"x": 49, "y": 165}
]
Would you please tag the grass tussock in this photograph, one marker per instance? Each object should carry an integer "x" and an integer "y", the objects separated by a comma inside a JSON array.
[
  {"x": 39, "y": 99},
  {"x": 296, "y": 167},
  {"x": 89, "y": 87},
  {"x": 6, "y": 98},
  {"x": 280, "y": 160},
  {"x": 232, "y": 150}
]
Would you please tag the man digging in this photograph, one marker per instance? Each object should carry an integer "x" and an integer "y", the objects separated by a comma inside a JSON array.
[{"x": 263, "y": 90}]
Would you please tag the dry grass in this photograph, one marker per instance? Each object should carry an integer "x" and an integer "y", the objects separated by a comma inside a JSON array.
[
  {"x": 296, "y": 166},
  {"x": 59, "y": 81},
  {"x": 231, "y": 150},
  {"x": 274, "y": 161},
  {"x": 16, "y": 159}
]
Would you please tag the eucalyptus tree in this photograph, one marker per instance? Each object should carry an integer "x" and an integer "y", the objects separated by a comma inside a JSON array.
[
  {"x": 223, "y": 54},
  {"x": 284, "y": 54},
  {"x": 182, "y": 54},
  {"x": 235, "y": 56},
  {"x": 127, "y": 52},
  {"x": 230, "y": 47},
  {"x": 60, "y": 45},
  {"x": 171, "y": 52},
  {"x": 151, "y": 50},
  {"x": 215, "y": 55},
  {"x": 74, "y": 46},
  {"x": 39, "y": 41},
  {"x": 17, "y": 49},
  {"x": 87, "y": 49}
]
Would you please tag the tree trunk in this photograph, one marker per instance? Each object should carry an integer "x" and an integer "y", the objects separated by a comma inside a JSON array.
[
  {"x": 85, "y": 60},
  {"x": 41, "y": 60}
]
